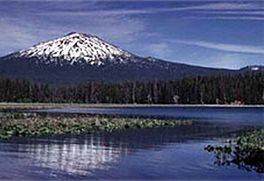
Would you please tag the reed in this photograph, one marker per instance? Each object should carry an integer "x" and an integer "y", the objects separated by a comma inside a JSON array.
[
  {"x": 20, "y": 125},
  {"x": 246, "y": 151}
]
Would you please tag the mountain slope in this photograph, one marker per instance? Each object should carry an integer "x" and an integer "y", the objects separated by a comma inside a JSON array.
[
  {"x": 78, "y": 57},
  {"x": 76, "y": 48},
  {"x": 252, "y": 68}
]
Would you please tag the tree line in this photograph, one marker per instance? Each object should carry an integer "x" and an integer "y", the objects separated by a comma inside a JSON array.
[{"x": 223, "y": 89}]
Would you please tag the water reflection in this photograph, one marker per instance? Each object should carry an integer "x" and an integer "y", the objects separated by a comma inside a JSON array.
[
  {"x": 72, "y": 157},
  {"x": 158, "y": 153},
  {"x": 235, "y": 115}
]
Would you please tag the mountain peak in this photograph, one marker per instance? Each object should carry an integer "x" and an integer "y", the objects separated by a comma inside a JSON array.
[
  {"x": 76, "y": 34},
  {"x": 73, "y": 32},
  {"x": 78, "y": 57},
  {"x": 77, "y": 48}
]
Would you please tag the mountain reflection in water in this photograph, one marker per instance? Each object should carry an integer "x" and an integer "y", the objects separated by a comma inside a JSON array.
[
  {"x": 73, "y": 158},
  {"x": 103, "y": 155}
]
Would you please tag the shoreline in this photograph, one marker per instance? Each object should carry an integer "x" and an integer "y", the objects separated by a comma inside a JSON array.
[{"x": 101, "y": 105}]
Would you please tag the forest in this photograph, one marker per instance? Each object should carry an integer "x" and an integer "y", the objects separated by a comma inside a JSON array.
[{"x": 222, "y": 89}]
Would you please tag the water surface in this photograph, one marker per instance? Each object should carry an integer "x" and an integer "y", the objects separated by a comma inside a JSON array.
[
  {"x": 159, "y": 153},
  {"x": 234, "y": 115}
]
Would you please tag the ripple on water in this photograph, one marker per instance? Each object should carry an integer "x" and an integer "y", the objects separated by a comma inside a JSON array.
[{"x": 161, "y": 153}]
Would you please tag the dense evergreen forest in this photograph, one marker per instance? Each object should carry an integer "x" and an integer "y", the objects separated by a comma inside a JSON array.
[{"x": 235, "y": 89}]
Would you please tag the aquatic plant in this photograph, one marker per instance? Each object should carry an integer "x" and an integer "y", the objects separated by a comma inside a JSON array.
[
  {"x": 246, "y": 151},
  {"x": 40, "y": 125},
  {"x": 15, "y": 115}
]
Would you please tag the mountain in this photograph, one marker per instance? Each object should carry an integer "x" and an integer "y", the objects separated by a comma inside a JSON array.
[
  {"x": 252, "y": 68},
  {"x": 79, "y": 57},
  {"x": 77, "y": 48}
]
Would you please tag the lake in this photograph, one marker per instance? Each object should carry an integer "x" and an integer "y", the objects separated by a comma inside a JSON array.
[
  {"x": 156, "y": 153},
  {"x": 234, "y": 115}
]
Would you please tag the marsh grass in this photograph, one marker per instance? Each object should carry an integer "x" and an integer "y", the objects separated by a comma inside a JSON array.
[
  {"x": 21, "y": 124},
  {"x": 246, "y": 151},
  {"x": 15, "y": 115}
]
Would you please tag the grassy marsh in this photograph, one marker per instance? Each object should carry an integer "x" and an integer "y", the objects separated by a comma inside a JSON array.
[
  {"x": 27, "y": 124},
  {"x": 246, "y": 151}
]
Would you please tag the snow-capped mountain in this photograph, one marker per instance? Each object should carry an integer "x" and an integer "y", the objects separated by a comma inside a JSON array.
[
  {"x": 79, "y": 57},
  {"x": 253, "y": 68},
  {"x": 76, "y": 48}
]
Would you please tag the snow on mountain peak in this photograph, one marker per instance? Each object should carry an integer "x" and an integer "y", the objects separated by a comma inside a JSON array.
[{"x": 77, "y": 47}]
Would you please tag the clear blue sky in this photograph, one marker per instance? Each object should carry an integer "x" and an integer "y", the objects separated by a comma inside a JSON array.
[{"x": 215, "y": 33}]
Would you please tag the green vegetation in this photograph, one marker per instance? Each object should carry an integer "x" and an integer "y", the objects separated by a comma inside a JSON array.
[
  {"x": 246, "y": 151},
  {"x": 15, "y": 115},
  {"x": 30, "y": 124},
  {"x": 229, "y": 89}
]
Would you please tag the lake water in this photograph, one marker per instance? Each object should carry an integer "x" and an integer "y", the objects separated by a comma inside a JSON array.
[
  {"x": 234, "y": 115},
  {"x": 159, "y": 153}
]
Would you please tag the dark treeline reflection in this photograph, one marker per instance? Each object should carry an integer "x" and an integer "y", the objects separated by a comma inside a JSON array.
[
  {"x": 238, "y": 89},
  {"x": 79, "y": 154}
]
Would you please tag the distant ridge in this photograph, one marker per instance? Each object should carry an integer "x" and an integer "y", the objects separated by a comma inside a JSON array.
[{"x": 79, "y": 57}]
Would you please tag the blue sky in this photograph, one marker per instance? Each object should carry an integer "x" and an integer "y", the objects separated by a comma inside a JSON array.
[{"x": 212, "y": 33}]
